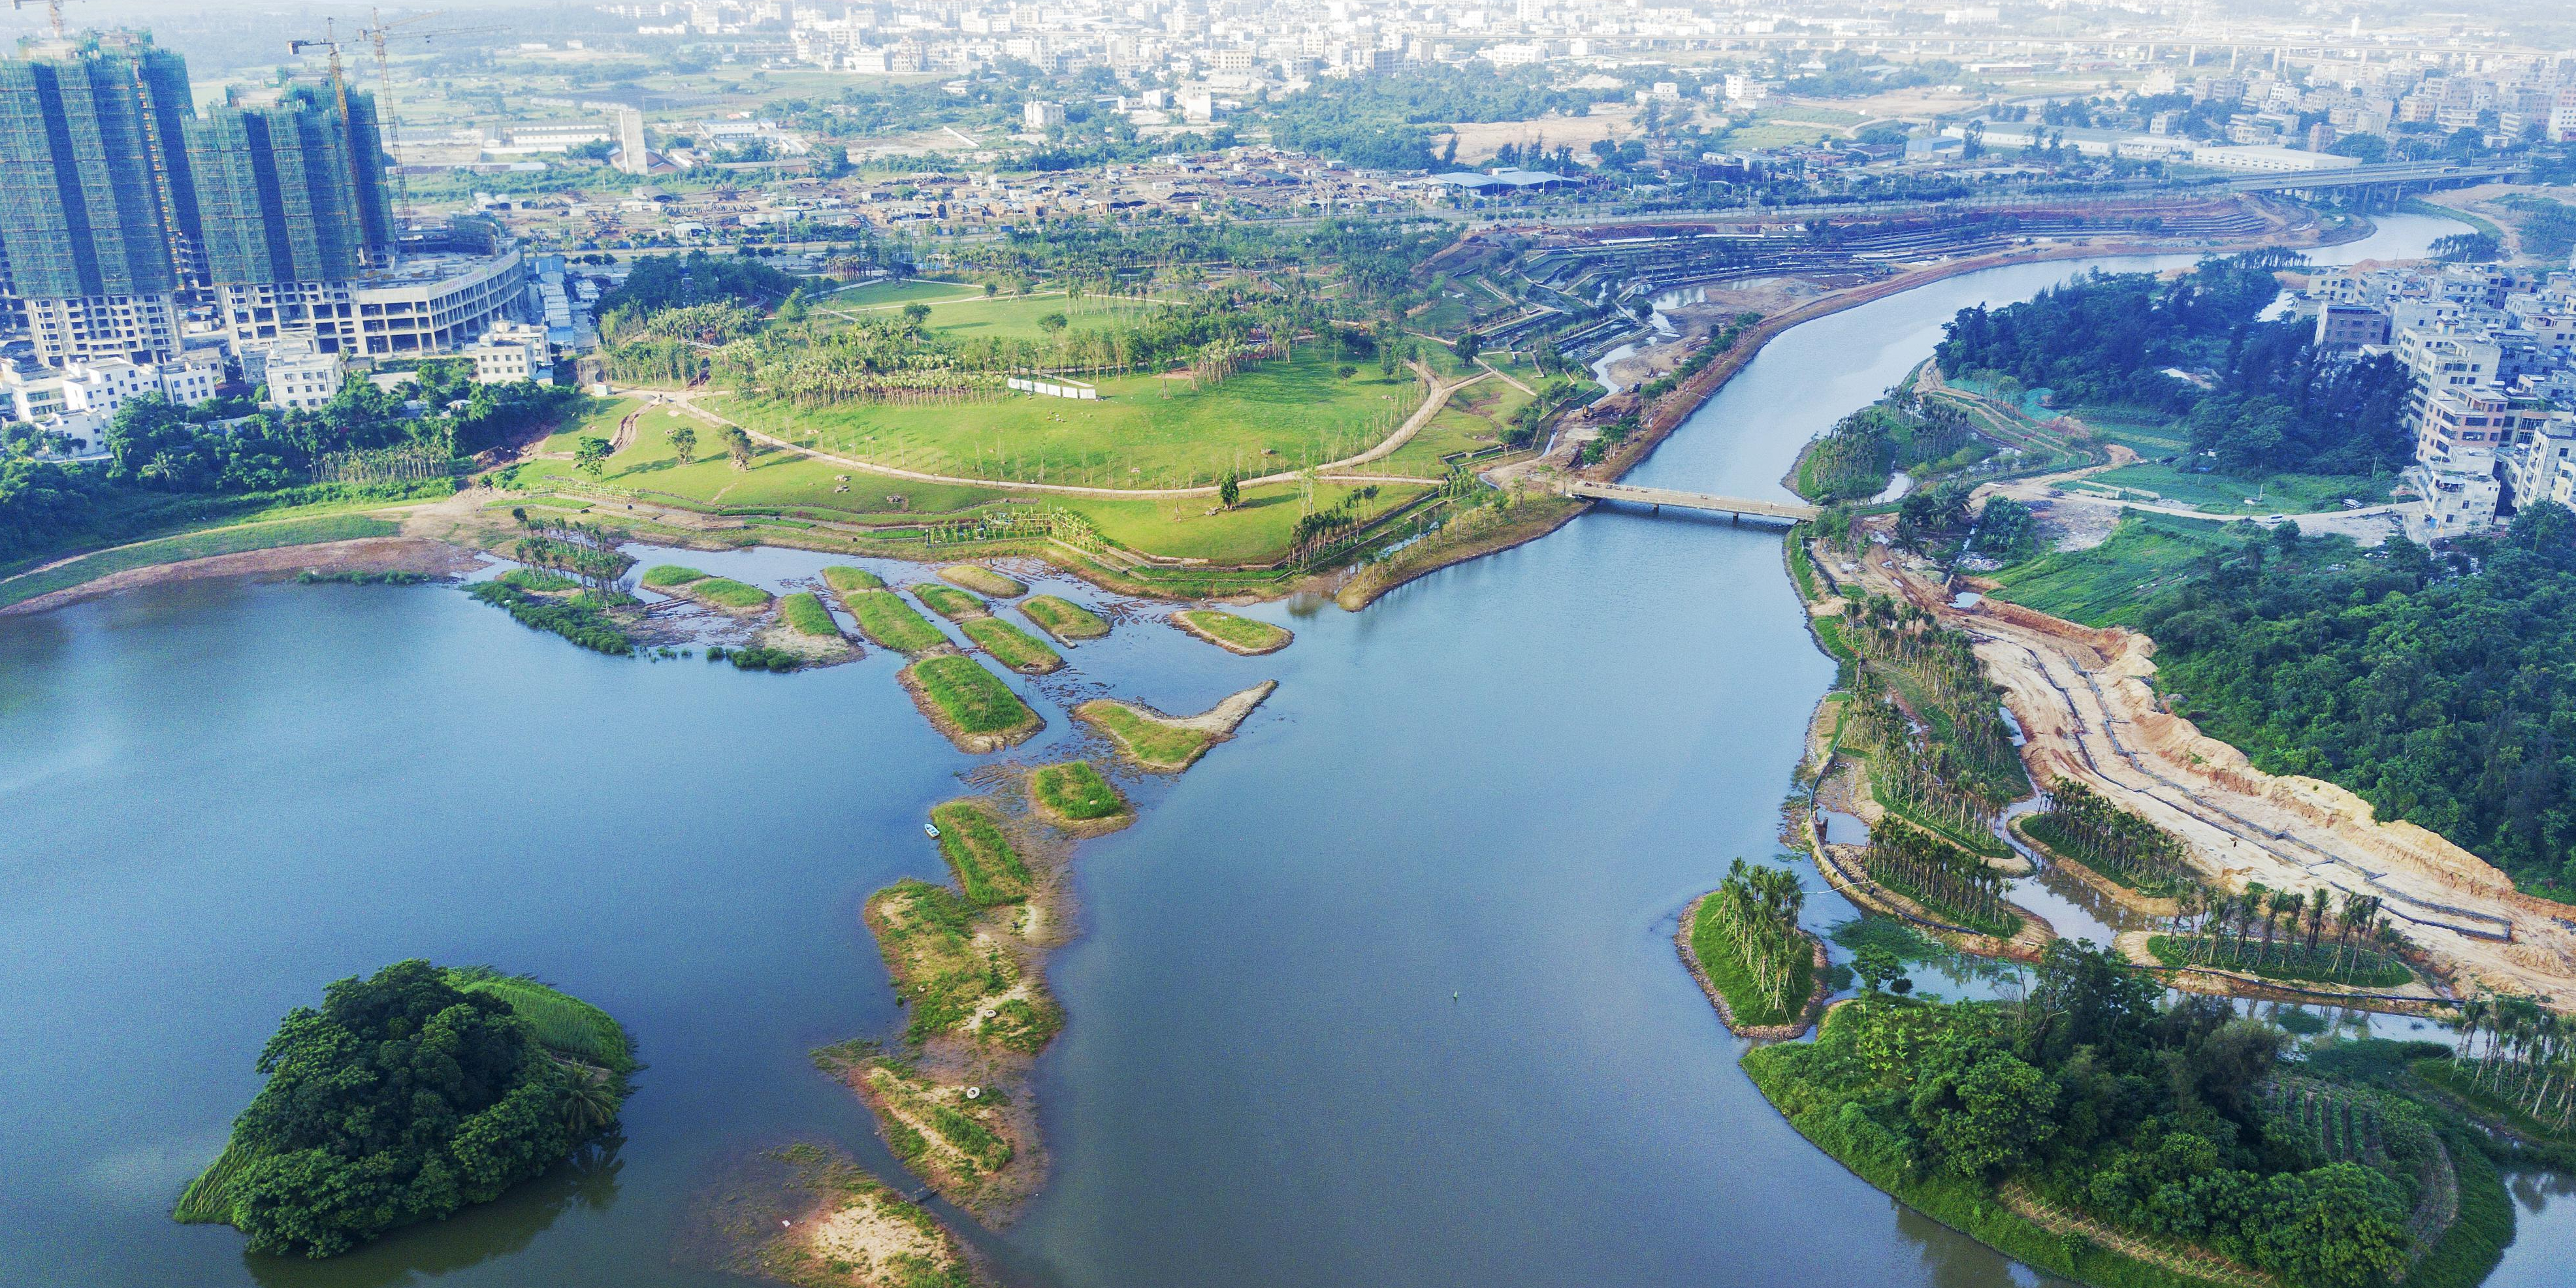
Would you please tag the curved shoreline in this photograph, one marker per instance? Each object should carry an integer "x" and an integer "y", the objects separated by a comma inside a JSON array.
[{"x": 1817, "y": 992}]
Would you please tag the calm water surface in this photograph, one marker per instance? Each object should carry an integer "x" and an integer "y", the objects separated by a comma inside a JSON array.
[{"x": 1383, "y": 992}]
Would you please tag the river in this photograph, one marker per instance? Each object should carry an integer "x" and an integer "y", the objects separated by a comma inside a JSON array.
[{"x": 1382, "y": 992}]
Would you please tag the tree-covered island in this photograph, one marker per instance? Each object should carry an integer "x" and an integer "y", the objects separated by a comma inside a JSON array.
[{"x": 405, "y": 1097}]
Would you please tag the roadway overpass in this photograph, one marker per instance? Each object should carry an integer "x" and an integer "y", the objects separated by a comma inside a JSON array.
[{"x": 1659, "y": 497}]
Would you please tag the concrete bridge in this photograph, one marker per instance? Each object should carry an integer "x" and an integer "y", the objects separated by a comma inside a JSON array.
[{"x": 1656, "y": 496}]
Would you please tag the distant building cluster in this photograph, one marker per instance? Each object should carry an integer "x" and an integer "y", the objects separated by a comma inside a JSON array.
[
  {"x": 149, "y": 248},
  {"x": 2492, "y": 356}
]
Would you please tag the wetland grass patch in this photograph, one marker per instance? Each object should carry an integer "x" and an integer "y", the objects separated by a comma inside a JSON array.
[
  {"x": 970, "y": 704},
  {"x": 804, "y": 613},
  {"x": 1074, "y": 793},
  {"x": 1065, "y": 619},
  {"x": 948, "y": 601},
  {"x": 984, "y": 581},
  {"x": 1011, "y": 646},
  {"x": 988, "y": 867},
  {"x": 891, "y": 623},
  {"x": 1153, "y": 742},
  {"x": 715, "y": 592},
  {"x": 844, "y": 578},
  {"x": 1233, "y": 634}
]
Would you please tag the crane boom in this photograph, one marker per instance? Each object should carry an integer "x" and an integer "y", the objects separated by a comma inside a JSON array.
[{"x": 378, "y": 33}]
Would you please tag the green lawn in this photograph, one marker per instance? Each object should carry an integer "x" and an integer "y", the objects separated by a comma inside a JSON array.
[
  {"x": 1151, "y": 743},
  {"x": 1144, "y": 431},
  {"x": 804, "y": 613},
  {"x": 1015, "y": 317},
  {"x": 983, "y": 581},
  {"x": 1242, "y": 634},
  {"x": 194, "y": 545},
  {"x": 600, "y": 423},
  {"x": 972, "y": 698},
  {"x": 1011, "y": 646},
  {"x": 948, "y": 601},
  {"x": 988, "y": 867},
  {"x": 1075, "y": 791},
  {"x": 896, "y": 292},
  {"x": 890, "y": 623},
  {"x": 1065, "y": 619},
  {"x": 2108, "y": 584}
]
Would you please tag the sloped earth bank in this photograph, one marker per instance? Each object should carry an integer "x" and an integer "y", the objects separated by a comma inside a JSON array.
[{"x": 2082, "y": 698}]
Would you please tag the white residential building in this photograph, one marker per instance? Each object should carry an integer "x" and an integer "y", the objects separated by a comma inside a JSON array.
[
  {"x": 512, "y": 352},
  {"x": 301, "y": 376}
]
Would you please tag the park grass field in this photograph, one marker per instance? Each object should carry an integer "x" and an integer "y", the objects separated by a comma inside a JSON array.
[
  {"x": 890, "y": 623},
  {"x": 1143, "y": 432},
  {"x": 2109, "y": 584},
  {"x": 1073, "y": 793},
  {"x": 1233, "y": 634},
  {"x": 1011, "y": 646},
  {"x": 988, "y": 867},
  {"x": 804, "y": 614},
  {"x": 948, "y": 601},
  {"x": 1159, "y": 745},
  {"x": 1015, "y": 317},
  {"x": 1257, "y": 530},
  {"x": 983, "y": 581},
  {"x": 970, "y": 704},
  {"x": 1065, "y": 619},
  {"x": 902, "y": 291},
  {"x": 844, "y": 578}
]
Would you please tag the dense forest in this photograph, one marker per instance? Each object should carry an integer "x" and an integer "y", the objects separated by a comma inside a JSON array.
[
  {"x": 2083, "y": 1094},
  {"x": 2437, "y": 689},
  {"x": 2260, "y": 397}
]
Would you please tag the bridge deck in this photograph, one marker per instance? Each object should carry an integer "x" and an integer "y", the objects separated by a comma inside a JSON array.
[{"x": 1689, "y": 500}]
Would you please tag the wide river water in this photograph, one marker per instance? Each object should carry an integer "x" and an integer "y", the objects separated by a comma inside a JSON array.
[{"x": 1382, "y": 992}]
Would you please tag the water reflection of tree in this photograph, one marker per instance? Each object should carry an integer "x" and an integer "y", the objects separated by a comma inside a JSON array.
[
  {"x": 2533, "y": 1188},
  {"x": 1953, "y": 1260},
  {"x": 503, "y": 1227}
]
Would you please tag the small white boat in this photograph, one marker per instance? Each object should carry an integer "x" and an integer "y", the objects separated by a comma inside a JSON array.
[{"x": 932, "y": 829}]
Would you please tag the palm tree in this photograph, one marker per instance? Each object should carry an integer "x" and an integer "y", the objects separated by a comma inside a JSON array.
[{"x": 590, "y": 1103}]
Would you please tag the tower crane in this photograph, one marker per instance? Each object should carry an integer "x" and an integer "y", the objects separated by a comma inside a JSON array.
[
  {"x": 377, "y": 35},
  {"x": 53, "y": 14}
]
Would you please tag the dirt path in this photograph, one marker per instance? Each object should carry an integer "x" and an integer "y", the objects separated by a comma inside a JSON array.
[
  {"x": 2083, "y": 699},
  {"x": 1431, "y": 406}
]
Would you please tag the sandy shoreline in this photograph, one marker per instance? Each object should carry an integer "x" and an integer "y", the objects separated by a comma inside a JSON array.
[{"x": 366, "y": 554}]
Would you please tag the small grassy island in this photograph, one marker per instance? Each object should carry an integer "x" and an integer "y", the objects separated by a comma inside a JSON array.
[
  {"x": 843, "y": 579},
  {"x": 988, "y": 867},
  {"x": 983, "y": 581},
  {"x": 1011, "y": 646},
  {"x": 1065, "y": 619},
  {"x": 1233, "y": 634},
  {"x": 949, "y": 602},
  {"x": 720, "y": 593},
  {"x": 1074, "y": 797},
  {"x": 1169, "y": 744},
  {"x": 890, "y": 623},
  {"x": 410, "y": 1094},
  {"x": 2093, "y": 1133},
  {"x": 970, "y": 704},
  {"x": 1743, "y": 942}
]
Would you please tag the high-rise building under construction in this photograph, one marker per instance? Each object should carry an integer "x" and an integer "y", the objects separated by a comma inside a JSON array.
[
  {"x": 285, "y": 197},
  {"x": 98, "y": 207}
]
